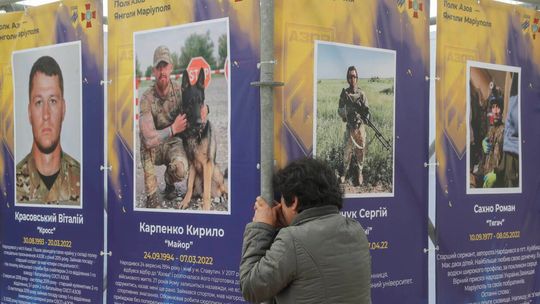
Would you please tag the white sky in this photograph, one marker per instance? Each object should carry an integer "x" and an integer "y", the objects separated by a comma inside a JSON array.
[
  {"x": 174, "y": 38},
  {"x": 334, "y": 59}
]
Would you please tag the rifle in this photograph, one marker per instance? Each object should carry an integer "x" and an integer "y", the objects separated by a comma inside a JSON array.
[{"x": 360, "y": 108}]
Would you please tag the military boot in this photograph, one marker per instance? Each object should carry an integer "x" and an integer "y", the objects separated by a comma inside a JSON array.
[
  {"x": 152, "y": 200},
  {"x": 170, "y": 192}
]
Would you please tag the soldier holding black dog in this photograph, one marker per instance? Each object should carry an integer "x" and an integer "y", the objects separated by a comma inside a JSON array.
[
  {"x": 354, "y": 110},
  {"x": 161, "y": 118}
]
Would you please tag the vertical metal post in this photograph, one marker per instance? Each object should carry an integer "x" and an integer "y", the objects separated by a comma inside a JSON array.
[
  {"x": 267, "y": 99},
  {"x": 267, "y": 85}
]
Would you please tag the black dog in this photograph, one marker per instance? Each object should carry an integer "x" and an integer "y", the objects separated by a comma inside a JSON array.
[{"x": 200, "y": 146}]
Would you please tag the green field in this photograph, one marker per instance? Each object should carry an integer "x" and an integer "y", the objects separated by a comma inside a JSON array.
[{"x": 378, "y": 162}]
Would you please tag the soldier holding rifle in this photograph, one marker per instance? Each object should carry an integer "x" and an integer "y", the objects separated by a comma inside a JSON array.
[{"x": 354, "y": 110}]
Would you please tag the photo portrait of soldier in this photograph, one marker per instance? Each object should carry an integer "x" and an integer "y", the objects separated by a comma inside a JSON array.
[
  {"x": 354, "y": 121},
  {"x": 494, "y": 128},
  {"x": 353, "y": 109},
  {"x": 47, "y": 174},
  {"x": 161, "y": 118},
  {"x": 174, "y": 126}
]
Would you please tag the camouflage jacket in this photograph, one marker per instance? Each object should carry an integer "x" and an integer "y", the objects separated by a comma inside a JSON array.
[
  {"x": 163, "y": 109},
  {"x": 65, "y": 190},
  {"x": 493, "y": 158},
  {"x": 353, "y": 110}
]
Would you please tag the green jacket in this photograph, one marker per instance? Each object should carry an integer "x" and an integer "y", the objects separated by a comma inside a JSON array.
[
  {"x": 321, "y": 257},
  {"x": 66, "y": 190}
]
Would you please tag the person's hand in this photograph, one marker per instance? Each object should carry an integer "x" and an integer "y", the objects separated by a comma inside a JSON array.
[
  {"x": 366, "y": 114},
  {"x": 179, "y": 124},
  {"x": 486, "y": 146},
  {"x": 263, "y": 212},
  {"x": 490, "y": 179},
  {"x": 266, "y": 214},
  {"x": 280, "y": 219}
]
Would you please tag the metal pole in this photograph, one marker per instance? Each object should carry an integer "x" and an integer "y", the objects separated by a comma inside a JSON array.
[
  {"x": 267, "y": 85},
  {"x": 267, "y": 99}
]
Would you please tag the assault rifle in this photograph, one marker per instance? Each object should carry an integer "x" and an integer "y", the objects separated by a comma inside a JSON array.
[{"x": 361, "y": 109}]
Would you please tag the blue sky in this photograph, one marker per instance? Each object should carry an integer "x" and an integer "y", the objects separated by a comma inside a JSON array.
[{"x": 334, "y": 59}]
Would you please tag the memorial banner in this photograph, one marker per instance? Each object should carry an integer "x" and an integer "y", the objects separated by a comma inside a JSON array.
[
  {"x": 51, "y": 118},
  {"x": 183, "y": 148},
  {"x": 487, "y": 140},
  {"x": 356, "y": 77}
]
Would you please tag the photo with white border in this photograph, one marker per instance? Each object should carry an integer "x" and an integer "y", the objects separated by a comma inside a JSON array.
[
  {"x": 214, "y": 57},
  {"x": 68, "y": 58},
  {"x": 354, "y": 131},
  {"x": 493, "y": 129}
]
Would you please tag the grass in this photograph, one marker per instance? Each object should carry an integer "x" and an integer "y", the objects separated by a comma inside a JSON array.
[{"x": 378, "y": 162}]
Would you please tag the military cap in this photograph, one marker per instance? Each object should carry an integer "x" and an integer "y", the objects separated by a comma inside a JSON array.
[{"x": 162, "y": 53}]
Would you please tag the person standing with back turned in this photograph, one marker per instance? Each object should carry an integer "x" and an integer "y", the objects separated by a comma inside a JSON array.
[{"x": 318, "y": 256}]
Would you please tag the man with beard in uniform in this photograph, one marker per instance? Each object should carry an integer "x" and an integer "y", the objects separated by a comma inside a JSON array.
[
  {"x": 47, "y": 175},
  {"x": 161, "y": 118}
]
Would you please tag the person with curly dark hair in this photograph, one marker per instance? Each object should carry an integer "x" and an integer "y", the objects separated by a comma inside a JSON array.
[{"x": 302, "y": 250}]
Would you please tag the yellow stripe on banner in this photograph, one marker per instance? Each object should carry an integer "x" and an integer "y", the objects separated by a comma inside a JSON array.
[
  {"x": 84, "y": 17},
  {"x": 9, "y": 27},
  {"x": 247, "y": 16},
  {"x": 9, "y": 24},
  {"x": 40, "y": 26},
  {"x": 299, "y": 23},
  {"x": 469, "y": 30}
]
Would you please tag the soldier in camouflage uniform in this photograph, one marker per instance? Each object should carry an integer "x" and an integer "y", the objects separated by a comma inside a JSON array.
[
  {"x": 161, "y": 118},
  {"x": 492, "y": 145},
  {"x": 47, "y": 175},
  {"x": 354, "y": 110},
  {"x": 65, "y": 190}
]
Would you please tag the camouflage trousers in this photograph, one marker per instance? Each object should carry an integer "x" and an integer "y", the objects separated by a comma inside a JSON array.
[
  {"x": 171, "y": 154},
  {"x": 355, "y": 144}
]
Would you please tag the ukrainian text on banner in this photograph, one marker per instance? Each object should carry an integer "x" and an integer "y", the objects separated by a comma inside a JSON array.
[
  {"x": 179, "y": 98},
  {"x": 487, "y": 142},
  {"x": 52, "y": 187},
  {"x": 380, "y": 162}
]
